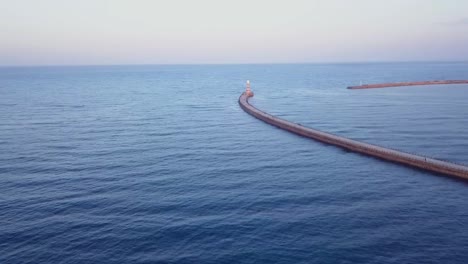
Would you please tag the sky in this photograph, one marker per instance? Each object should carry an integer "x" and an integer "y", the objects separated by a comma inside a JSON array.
[{"x": 102, "y": 32}]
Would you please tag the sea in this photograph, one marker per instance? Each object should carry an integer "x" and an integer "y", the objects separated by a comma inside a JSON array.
[{"x": 159, "y": 164}]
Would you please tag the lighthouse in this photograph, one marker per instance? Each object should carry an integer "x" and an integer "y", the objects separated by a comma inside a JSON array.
[{"x": 248, "y": 92}]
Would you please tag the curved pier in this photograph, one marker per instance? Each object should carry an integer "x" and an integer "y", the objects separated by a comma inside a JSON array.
[
  {"x": 420, "y": 162},
  {"x": 386, "y": 85}
]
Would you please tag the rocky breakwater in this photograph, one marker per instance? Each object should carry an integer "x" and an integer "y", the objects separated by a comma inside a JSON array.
[
  {"x": 421, "y": 162},
  {"x": 398, "y": 84}
]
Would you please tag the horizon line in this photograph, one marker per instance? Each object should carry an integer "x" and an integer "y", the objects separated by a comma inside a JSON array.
[{"x": 229, "y": 63}]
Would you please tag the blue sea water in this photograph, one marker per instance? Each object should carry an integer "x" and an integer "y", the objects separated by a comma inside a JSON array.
[{"x": 158, "y": 164}]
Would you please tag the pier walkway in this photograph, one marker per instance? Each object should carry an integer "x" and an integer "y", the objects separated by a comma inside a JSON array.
[{"x": 425, "y": 163}]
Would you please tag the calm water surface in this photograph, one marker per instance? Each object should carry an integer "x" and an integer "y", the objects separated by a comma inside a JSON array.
[{"x": 158, "y": 164}]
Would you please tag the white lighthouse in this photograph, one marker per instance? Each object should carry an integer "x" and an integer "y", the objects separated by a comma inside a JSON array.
[{"x": 248, "y": 91}]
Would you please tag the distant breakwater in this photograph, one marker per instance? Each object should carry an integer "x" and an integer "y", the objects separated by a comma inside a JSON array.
[
  {"x": 398, "y": 84},
  {"x": 421, "y": 162}
]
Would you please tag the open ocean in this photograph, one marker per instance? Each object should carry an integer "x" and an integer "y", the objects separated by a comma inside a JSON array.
[{"x": 158, "y": 164}]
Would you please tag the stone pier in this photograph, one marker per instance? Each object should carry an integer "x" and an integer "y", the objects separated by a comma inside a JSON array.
[{"x": 421, "y": 162}]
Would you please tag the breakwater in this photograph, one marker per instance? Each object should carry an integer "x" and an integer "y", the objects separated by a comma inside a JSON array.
[
  {"x": 420, "y": 162},
  {"x": 398, "y": 84}
]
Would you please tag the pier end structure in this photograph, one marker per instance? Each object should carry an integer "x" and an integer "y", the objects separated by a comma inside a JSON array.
[{"x": 248, "y": 91}]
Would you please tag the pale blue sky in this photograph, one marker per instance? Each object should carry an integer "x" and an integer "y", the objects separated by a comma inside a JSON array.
[{"x": 49, "y": 32}]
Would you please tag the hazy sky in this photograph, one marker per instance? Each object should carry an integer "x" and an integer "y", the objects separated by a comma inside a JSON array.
[{"x": 35, "y": 32}]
